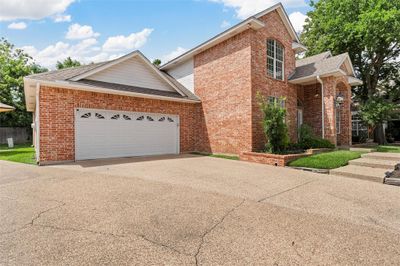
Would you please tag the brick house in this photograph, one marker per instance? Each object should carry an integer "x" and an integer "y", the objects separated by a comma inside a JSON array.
[{"x": 204, "y": 100}]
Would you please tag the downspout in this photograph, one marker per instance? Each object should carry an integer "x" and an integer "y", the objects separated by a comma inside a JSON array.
[
  {"x": 322, "y": 105},
  {"x": 37, "y": 123}
]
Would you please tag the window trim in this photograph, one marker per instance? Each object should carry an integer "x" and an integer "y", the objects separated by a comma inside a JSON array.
[{"x": 275, "y": 59}]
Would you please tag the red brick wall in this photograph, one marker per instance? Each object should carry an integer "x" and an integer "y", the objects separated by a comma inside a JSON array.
[
  {"x": 267, "y": 86},
  {"x": 222, "y": 76},
  {"x": 313, "y": 108},
  {"x": 57, "y": 142},
  {"x": 270, "y": 159}
]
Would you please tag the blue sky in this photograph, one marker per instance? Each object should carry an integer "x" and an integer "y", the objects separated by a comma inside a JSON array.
[{"x": 98, "y": 30}]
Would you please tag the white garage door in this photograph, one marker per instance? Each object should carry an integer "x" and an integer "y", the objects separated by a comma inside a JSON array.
[{"x": 111, "y": 134}]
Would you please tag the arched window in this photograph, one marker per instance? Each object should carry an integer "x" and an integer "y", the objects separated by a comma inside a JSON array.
[{"x": 275, "y": 59}]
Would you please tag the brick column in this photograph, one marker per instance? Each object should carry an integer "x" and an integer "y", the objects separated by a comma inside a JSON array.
[
  {"x": 329, "y": 110},
  {"x": 344, "y": 138}
]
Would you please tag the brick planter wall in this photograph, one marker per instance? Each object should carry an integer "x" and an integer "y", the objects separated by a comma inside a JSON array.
[{"x": 270, "y": 159}]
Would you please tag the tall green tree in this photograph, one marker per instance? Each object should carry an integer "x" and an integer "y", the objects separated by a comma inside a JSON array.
[
  {"x": 14, "y": 66},
  {"x": 67, "y": 63},
  {"x": 367, "y": 29}
]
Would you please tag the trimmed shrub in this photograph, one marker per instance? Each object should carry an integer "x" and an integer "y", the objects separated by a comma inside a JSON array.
[{"x": 309, "y": 141}]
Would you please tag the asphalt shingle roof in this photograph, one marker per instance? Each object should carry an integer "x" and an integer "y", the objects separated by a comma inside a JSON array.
[
  {"x": 65, "y": 74},
  {"x": 317, "y": 65},
  {"x": 312, "y": 59}
]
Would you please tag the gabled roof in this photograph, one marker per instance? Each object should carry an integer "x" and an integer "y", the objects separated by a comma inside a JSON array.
[
  {"x": 252, "y": 22},
  {"x": 75, "y": 78},
  {"x": 324, "y": 64}
]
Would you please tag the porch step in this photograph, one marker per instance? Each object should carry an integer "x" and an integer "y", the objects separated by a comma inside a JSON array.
[
  {"x": 383, "y": 156},
  {"x": 361, "y": 172},
  {"x": 362, "y": 149},
  {"x": 375, "y": 163},
  {"x": 392, "y": 181}
]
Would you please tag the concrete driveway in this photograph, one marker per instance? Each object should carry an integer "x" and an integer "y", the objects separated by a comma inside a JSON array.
[{"x": 192, "y": 210}]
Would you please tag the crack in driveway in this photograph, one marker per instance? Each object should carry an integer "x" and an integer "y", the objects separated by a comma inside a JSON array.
[
  {"x": 37, "y": 216},
  {"x": 213, "y": 227},
  {"x": 284, "y": 191}
]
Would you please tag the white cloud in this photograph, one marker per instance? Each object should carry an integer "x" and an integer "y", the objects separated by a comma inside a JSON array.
[
  {"x": 298, "y": 19},
  {"x": 225, "y": 24},
  {"x": 130, "y": 42},
  {"x": 62, "y": 18},
  {"x": 82, "y": 51},
  {"x": 31, "y": 9},
  {"x": 17, "y": 26},
  {"x": 76, "y": 32},
  {"x": 246, "y": 8},
  {"x": 175, "y": 53},
  {"x": 85, "y": 51}
]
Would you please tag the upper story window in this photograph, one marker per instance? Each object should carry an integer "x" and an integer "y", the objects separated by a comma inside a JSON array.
[{"x": 275, "y": 59}]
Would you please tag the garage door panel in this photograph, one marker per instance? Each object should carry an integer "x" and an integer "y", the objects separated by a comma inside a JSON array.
[{"x": 110, "y": 134}]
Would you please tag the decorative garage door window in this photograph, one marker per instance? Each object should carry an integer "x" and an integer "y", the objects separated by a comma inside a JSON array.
[
  {"x": 87, "y": 115},
  {"x": 100, "y": 116},
  {"x": 113, "y": 134},
  {"x": 126, "y": 117},
  {"x": 123, "y": 117},
  {"x": 115, "y": 117}
]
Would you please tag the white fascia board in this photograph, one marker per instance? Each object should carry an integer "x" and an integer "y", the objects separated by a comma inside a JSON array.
[
  {"x": 105, "y": 66},
  {"x": 68, "y": 85},
  {"x": 351, "y": 65},
  {"x": 285, "y": 18},
  {"x": 30, "y": 94},
  {"x": 298, "y": 47},
  {"x": 250, "y": 23},
  {"x": 122, "y": 59},
  {"x": 354, "y": 81}
]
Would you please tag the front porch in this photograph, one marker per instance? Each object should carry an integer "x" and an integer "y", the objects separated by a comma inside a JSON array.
[
  {"x": 324, "y": 95},
  {"x": 326, "y": 109}
]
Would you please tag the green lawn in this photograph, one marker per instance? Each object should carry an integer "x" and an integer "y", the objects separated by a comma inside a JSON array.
[
  {"x": 389, "y": 149},
  {"x": 23, "y": 153},
  {"x": 329, "y": 160}
]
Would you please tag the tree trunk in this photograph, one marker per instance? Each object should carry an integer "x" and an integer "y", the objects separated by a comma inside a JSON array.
[{"x": 379, "y": 135}]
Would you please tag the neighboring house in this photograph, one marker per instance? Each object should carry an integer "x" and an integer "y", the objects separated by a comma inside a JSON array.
[{"x": 204, "y": 100}]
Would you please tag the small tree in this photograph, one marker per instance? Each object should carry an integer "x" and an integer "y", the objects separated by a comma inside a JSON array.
[
  {"x": 67, "y": 63},
  {"x": 274, "y": 125},
  {"x": 157, "y": 62},
  {"x": 375, "y": 112}
]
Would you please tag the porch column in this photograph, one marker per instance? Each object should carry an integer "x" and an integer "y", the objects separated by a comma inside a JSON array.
[
  {"x": 329, "y": 109},
  {"x": 344, "y": 137}
]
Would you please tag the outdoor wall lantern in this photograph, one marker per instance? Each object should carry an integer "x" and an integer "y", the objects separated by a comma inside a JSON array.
[{"x": 339, "y": 100}]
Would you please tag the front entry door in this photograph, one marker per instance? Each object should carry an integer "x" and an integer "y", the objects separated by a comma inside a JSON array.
[{"x": 299, "y": 120}]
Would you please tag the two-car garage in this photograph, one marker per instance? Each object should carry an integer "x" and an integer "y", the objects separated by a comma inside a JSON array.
[{"x": 112, "y": 134}]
